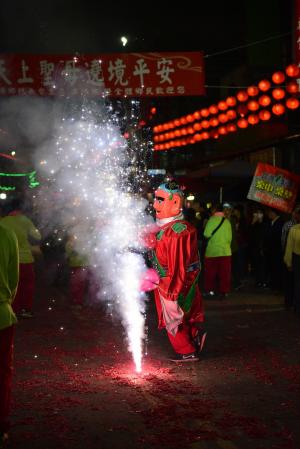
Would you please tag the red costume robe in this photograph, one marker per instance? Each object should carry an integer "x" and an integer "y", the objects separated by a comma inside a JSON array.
[{"x": 176, "y": 259}]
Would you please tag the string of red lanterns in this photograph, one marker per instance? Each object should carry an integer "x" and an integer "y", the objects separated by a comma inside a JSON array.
[{"x": 248, "y": 107}]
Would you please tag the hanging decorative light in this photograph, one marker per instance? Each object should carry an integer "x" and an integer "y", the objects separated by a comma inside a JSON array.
[
  {"x": 242, "y": 110},
  {"x": 205, "y": 124},
  {"x": 214, "y": 122},
  {"x": 223, "y": 118},
  {"x": 231, "y": 128},
  {"x": 292, "y": 87},
  {"x": 231, "y": 114},
  {"x": 222, "y": 105},
  {"x": 242, "y": 96},
  {"x": 292, "y": 103},
  {"x": 292, "y": 70},
  {"x": 264, "y": 100},
  {"x": 253, "y": 119},
  {"x": 264, "y": 115},
  {"x": 242, "y": 123},
  {"x": 231, "y": 101},
  {"x": 278, "y": 109},
  {"x": 278, "y": 93},
  {"x": 252, "y": 91},
  {"x": 213, "y": 109},
  {"x": 253, "y": 105},
  {"x": 204, "y": 112},
  {"x": 278, "y": 77},
  {"x": 264, "y": 85}
]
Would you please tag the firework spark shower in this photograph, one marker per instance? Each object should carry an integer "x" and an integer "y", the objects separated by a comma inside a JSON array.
[{"x": 85, "y": 161}]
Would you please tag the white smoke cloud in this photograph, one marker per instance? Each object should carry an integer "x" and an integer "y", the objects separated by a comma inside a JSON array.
[{"x": 82, "y": 156}]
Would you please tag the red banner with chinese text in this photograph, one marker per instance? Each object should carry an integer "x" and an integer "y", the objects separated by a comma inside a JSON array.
[
  {"x": 114, "y": 75},
  {"x": 274, "y": 187}
]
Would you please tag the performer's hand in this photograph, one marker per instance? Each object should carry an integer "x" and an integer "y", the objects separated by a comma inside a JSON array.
[{"x": 149, "y": 281}]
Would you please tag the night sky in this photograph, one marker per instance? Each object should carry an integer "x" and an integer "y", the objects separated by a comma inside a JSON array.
[{"x": 78, "y": 26}]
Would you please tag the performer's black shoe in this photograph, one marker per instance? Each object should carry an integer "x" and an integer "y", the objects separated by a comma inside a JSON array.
[
  {"x": 182, "y": 358},
  {"x": 199, "y": 341}
]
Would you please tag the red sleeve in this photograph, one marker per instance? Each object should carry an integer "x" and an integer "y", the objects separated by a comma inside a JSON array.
[{"x": 178, "y": 256}]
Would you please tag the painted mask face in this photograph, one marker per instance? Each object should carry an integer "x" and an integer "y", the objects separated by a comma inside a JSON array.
[{"x": 167, "y": 204}]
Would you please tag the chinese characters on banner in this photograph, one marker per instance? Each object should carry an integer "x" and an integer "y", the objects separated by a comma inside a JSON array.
[
  {"x": 274, "y": 187},
  {"x": 115, "y": 75}
]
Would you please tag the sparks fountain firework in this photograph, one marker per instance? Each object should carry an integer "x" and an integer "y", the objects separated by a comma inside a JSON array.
[{"x": 87, "y": 164}]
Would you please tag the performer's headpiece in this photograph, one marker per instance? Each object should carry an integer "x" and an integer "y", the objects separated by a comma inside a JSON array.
[{"x": 168, "y": 200}]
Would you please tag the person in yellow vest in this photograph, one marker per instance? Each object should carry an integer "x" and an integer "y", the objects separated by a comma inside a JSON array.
[
  {"x": 80, "y": 276},
  {"x": 9, "y": 275},
  {"x": 27, "y": 236},
  {"x": 292, "y": 258}
]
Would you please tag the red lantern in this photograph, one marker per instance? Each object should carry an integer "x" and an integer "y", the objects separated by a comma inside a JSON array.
[
  {"x": 183, "y": 121},
  {"x": 177, "y": 132},
  {"x": 213, "y": 109},
  {"x": 214, "y": 121},
  {"x": 205, "y": 124},
  {"x": 231, "y": 114},
  {"x": 252, "y": 91},
  {"x": 242, "y": 123},
  {"x": 253, "y": 119},
  {"x": 253, "y": 105},
  {"x": 292, "y": 70},
  {"x": 189, "y": 118},
  {"x": 223, "y": 118},
  {"x": 265, "y": 115},
  {"x": 204, "y": 112},
  {"x": 215, "y": 134},
  {"x": 197, "y": 115},
  {"x": 177, "y": 122},
  {"x": 278, "y": 109},
  {"x": 278, "y": 93},
  {"x": 231, "y": 101},
  {"x": 198, "y": 137},
  {"x": 231, "y": 128},
  {"x": 278, "y": 77},
  {"x": 264, "y": 85},
  {"x": 242, "y": 96},
  {"x": 222, "y": 105},
  {"x": 264, "y": 100},
  {"x": 292, "y": 87},
  {"x": 292, "y": 103},
  {"x": 205, "y": 135},
  {"x": 222, "y": 130},
  {"x": 197, "y": 126},
  {"x": 242, "y": 110},
  {"x": 153, "y": 110}
]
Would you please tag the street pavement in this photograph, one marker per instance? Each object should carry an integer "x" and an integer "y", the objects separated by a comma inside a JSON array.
[{"x": 75, "y": 385}]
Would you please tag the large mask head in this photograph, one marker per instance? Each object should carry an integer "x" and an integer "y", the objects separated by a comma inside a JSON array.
[{"x": 168, "y": 200}]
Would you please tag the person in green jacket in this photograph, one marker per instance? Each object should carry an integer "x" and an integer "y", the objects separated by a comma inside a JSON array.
[
  {"x": 27, "y": 236},
  {"x": 217, "y": 262},
  {"x": 9, "y": 276}
]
